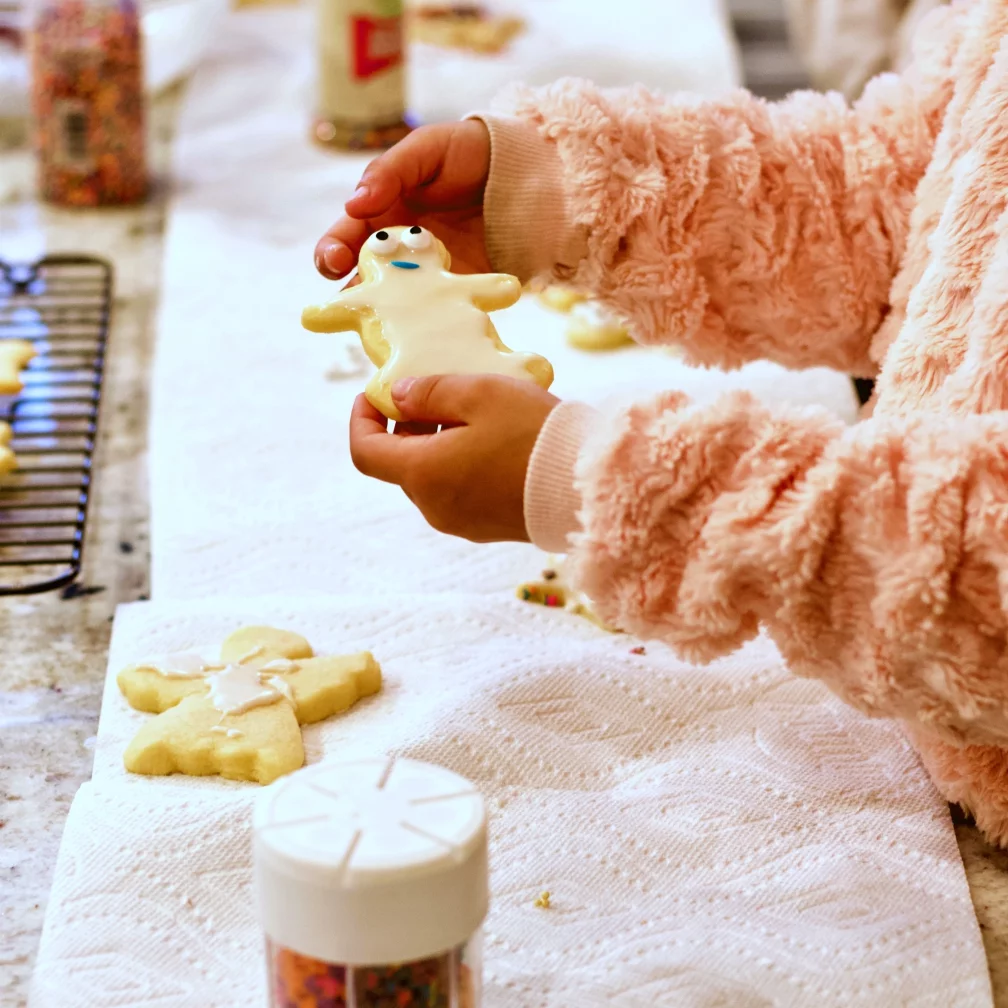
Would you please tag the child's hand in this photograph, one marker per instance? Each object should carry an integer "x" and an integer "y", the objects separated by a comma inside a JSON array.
[
  {"x": 468, "y": 479},
  {"x": 434, "y": 178}
]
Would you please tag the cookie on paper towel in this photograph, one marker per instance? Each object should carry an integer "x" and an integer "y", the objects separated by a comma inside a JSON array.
[
  {"x": 592, "y": 328},
  {"x": 239, "y": 715},
  {"x": 415, "y": 318},
  {"x": 15, "y": 354},
  {"x": 560, "y": 298}
]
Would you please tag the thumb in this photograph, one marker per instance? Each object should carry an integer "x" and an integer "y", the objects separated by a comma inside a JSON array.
[{"x": 440, "y": 398}]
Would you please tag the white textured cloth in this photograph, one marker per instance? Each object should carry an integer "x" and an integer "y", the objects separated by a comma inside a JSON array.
[{"x": 720, "y": 836}]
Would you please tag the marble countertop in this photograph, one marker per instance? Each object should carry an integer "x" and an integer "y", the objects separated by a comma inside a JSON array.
[{"x": 55, "y": 645}]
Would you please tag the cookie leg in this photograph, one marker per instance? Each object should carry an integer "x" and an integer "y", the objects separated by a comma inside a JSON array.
[{"x": 540, "y": 370}]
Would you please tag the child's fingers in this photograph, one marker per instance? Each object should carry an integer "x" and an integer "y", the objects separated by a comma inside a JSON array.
[
  {"x": 373, "y": 450},
  {"x": 411, "y": 163},
  {"x": 450, "y": 400},
  {"x": 337, "y": 250}
]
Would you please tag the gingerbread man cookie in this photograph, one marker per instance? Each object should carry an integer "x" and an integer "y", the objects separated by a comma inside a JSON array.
[
  {"x": 14, "y": 357},
  {"x": 591, "y": 328},
  {"x": 415, "y": 318},
  {"x": 560, "y": 298},
  {"x": 239, "y": 715}
]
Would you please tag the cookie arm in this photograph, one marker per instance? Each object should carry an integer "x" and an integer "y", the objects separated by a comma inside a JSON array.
[
  {"x": 326, "y": 686},
  {"x": 344, "y": 313},
  {"x": 490, "y": 291}
]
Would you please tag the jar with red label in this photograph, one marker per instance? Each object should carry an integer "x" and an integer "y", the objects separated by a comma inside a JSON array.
[
  {"x": 88, "y": 102},
  {"x": 361, "y": 74}
]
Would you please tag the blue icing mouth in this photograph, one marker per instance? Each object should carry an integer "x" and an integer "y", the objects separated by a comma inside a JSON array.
[{"x": 404, "y": 265}]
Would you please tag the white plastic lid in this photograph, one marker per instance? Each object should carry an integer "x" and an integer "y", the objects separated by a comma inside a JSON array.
[{"x": 371, "y": 861}]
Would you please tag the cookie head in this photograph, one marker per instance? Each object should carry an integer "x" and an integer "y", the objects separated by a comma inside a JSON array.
[{"x": 397, "y": 250}]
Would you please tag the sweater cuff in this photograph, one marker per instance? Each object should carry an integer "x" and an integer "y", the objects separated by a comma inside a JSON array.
[
  {"x": 552, "y": 500},
  {"x": 528, "y": 229}
]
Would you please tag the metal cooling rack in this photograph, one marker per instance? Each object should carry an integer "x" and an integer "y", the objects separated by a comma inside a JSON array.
[{"x": 61, "y": 304}]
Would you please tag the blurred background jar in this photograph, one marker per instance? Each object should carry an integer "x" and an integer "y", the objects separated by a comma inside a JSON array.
[
  {"x": 87, "y": 100},
  {"x": 361, "y": 85}
]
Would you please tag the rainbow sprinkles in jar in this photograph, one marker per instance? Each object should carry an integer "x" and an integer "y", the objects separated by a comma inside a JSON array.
[{"x": 372, "y": 886}]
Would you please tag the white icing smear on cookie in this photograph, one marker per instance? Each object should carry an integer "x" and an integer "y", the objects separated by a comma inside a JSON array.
[
  {"x": 238, "y": 688},
  {"x": 281, "y": 666},
  {"x": 180, "y": 665},
  {"x": 230, "y": 732},
  {"x": 282, "y": 687}
]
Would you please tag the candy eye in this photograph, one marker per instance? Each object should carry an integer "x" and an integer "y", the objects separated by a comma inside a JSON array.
[
  {"x": 381, "y": 243},
  {"x": 417, "y": 239}
]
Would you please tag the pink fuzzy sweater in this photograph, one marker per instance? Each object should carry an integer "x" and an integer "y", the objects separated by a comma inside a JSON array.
[{"x": 871, "y": 239}]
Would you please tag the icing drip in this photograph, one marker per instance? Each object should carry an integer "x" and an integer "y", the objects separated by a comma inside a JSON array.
[
  {"x": 238, "y": 688},
  {"x": 230, "y": 732},
  {"x": 282, "y": 687},
  {"x": 281, "y": 666}
]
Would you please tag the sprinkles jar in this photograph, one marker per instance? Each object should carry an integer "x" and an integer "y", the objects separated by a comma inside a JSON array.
[
  {"x": 371, "y": 882},
  {"x": 88, "y": 102}
]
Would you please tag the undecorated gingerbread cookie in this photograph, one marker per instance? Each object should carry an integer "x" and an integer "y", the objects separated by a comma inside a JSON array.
[
  {"x": 15, "y": 355},
  {"x": 591, "y": 328},
  {"x": 560, "y": 298},
  {"x": 415, "y": 318},
  {"x": 239, "y": 715}
]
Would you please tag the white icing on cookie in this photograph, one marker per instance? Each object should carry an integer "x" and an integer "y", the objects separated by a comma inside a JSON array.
[
  {"x": 180, "y": 665},
  {"x": 234, "y": 686},
  {"x": 281, "y": 686},
  {"x": 281, "y": 666},
  {"x": 219, "y": 729},
  {"x": 416, "y": 318},
  {"x": 238, "y": 688}
]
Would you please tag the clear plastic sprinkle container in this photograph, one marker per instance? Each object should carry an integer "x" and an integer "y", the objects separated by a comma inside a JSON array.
[{"x": 372, "y": 885}]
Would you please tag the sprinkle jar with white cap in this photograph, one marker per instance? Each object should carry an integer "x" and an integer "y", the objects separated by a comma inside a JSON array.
[{"x": 372, "y": 885}]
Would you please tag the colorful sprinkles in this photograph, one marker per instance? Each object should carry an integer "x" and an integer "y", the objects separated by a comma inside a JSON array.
[
  {"x": 88, "y": 102},
  {"x": 298, "y": 981},
  {"x": 543, "y": 594}
]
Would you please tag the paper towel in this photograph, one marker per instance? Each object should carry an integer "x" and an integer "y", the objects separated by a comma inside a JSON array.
[{"x": 720, "y": 836}]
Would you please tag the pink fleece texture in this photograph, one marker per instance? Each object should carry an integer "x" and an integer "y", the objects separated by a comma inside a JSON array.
[{"x": 872, "y": 239}]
